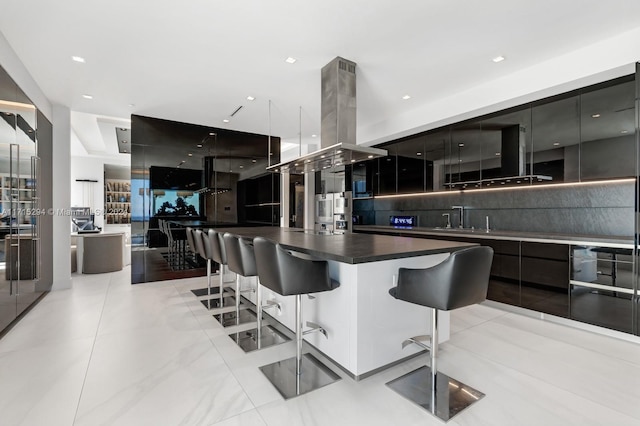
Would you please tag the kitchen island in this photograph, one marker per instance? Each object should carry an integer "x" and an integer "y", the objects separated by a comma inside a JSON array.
[{"x": 366, "y": 326}]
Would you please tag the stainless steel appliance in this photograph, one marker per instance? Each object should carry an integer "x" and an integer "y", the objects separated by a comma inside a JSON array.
[{"x": 333, "y": 212}]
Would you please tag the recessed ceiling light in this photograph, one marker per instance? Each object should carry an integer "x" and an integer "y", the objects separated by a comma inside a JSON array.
[
  {"x": 460, "y": 144},
  {"x": 624, "y": 131},
  {"x": 595, "y": 115},
  {"x": 339, "y": 152},
  {"x": 251, "y": 98},
  {"x": 199, "y": 145},
  {"x": 190, "y": 154},
  {"x": 314, "y": 136},
  {"x": 225, "y": 120},
  {"x": 254, "y": 160},
  {"x": 124, "y": 150},
  {"x": 405, "y": 97},
  {"x": 212, "y": 134},
  {"x": 87, "y": 96},
  {"x": 498, "y": 59},
  {"x": 123, "y": 129},
  {"x": 556, "y": 143},
  {"x": 371, "y": 156},
  {"x": 242, "y": 167},
  {"x": 459, "y": 161},
  {"x": 183, "y": 161},
  {"x": 290, "y": 60},
  {"x": 124, "y": 141},
  {"x": 353, "y": 161},
  {"x": 418, "y": 153},
  {"x": 322, "y": 156},
  {"x": 78, "y": 59},
  {"x": 178, "y": 166},
  {"x": 498, "y": 154}
]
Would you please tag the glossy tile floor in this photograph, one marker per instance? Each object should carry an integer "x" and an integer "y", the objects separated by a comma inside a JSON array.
[{"x": 107, "y": 352}]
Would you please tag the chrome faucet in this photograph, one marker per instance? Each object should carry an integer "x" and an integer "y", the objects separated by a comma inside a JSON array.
[
  {"x": 448, "y": 216},
  {"x": 461, "y": 209}
]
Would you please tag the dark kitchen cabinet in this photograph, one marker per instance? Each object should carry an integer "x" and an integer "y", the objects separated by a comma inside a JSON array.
[{"x": 544, "y": 283}]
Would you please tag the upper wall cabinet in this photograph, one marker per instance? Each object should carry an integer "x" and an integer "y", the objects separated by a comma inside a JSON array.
[
  {"x": 556, "y": 139},
  {"x": 587, "y": 134},
  {"x": 607, "y": 127}
]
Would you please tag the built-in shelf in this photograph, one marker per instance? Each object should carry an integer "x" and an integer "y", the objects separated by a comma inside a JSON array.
[{"x": 117, "y": 201}]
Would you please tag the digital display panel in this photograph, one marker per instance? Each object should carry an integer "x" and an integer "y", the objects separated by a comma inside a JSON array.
[{"x": 403, "y": 221}]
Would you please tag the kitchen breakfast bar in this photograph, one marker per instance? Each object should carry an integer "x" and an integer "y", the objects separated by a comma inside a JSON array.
[{"x": 365, "y": 325}]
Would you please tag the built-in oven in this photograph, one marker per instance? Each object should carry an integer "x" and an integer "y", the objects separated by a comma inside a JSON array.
[{"x": 324, "y": 211}]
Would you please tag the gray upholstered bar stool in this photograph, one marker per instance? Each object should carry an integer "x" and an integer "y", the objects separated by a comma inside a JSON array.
[
  {"x": 461, "y": 280},
  {"x": 198, "y": 240},
  {"x": 241, "y": 260},
  {"x": 198, "y": 253},
  {"x": 288, "y": 275},
  {"x": 214, "y": 246}
]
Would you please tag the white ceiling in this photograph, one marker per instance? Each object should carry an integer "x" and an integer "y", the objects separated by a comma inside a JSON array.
[{"x": 196, "y": 61}]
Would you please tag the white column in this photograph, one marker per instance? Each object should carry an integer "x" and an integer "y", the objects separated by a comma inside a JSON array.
[
  {"x": 309, "y": 200},
  {"x": 61, "y": 194},
  {"x": 284, "y": 200}
]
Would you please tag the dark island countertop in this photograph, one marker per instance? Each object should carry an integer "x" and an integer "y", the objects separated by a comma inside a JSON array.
[
  {"x": 349, "y": 248},
  {"x": 572, "y": 239}
]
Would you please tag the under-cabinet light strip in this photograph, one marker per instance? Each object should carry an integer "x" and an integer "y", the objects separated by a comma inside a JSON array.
[{"x": 507, "y": 188}]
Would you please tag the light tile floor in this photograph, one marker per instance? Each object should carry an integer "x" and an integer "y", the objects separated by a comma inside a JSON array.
[{"x": 109, "y": 353}]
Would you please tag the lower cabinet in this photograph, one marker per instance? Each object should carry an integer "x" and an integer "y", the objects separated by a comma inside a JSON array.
[
  {"x": 602, "y": 287},
  {"x": 544, "y": 278}
]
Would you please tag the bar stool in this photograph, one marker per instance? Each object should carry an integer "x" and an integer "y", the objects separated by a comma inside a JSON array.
[
  {"x": 198, "y": 254},
  {"x": 198, "y": 241},
  {"x": 214, "y": 247},
  {"x": 241, "y": 260},
  {"x": 461, "y": 280},
  {"x": 288, "y": 275}
]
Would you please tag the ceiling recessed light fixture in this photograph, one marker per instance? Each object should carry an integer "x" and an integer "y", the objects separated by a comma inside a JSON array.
[
  {"x": 461, "y": 144},
  {"x": 556, "y": 143},
  {"x": 418, "y": 153},
  {"x": 123, "y": 129},
  {"x": 353, "y": 161},
  {"x": 314, "y": 136},
  {"x": 595, "y": 115},
  {"x": 498, "y": 154},
  {"x": 370, "y": 156},
  {"x": 212, "y": 134},
  {"x": 242, "y": 167},
  {"x": 132, "y": 105},
  {"x": 199, "y": 145},
  {"x": 254, "y": 160},
  {"x": 251, "y": 98},
  {"x": 290, "y": 60},
  {"x": 624, "y": 131},
  {"x": 190, "y": 154},
  {"x": 225, "y": 120},
  {"x": 124, "y": 150},
  {"x": 79, "y": 59},
  {"x": 87, "y": 96},
  {"x": 405, "y": 97},
  {"x": 498, "y": 59},
  {"x": 123, "y": 141}
]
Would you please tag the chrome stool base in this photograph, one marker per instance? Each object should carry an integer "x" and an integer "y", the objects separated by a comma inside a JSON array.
[
  {"x": 451, "y": 396},
  {"x": 314, "y": 375},
  {"x": 248, "y": 340},
  {"x": 215, "y": 302},
  {"x": 228, "y": 319}
]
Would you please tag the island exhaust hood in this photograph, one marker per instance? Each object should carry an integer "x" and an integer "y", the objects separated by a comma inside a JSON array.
[{"x": 338, "y": 128}]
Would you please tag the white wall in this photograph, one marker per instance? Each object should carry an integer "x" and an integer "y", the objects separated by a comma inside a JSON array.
[{"x": 61, "y": 159}]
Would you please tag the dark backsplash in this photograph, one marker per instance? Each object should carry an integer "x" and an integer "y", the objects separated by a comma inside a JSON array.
[{"x": 605, "y": 208}]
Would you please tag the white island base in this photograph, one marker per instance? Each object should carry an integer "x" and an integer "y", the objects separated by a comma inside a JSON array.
[{"x": 365, "y": 324}]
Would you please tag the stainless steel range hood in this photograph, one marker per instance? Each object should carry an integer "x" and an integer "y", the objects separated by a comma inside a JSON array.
[{"x": 338, "y": 127}]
